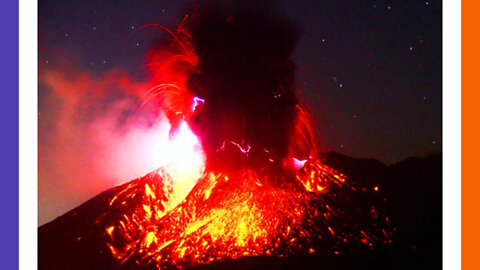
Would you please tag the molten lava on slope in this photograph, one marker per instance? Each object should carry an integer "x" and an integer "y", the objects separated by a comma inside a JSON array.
[
  {"x": 146, "y": 223},
  {"x": 246, "y": 201}
]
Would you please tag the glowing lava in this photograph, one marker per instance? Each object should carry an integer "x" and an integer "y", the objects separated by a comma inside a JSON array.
[
  {"x": 232, "y": 216},
  {"x": 181, "y": 215}
]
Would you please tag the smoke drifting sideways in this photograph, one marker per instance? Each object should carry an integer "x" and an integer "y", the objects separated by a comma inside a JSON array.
[
  {"x": 91, "y": 138},
  {"x": 234, "y": 57}
]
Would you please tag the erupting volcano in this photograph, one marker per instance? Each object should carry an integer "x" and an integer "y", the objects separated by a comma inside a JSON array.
[{"x": 244, "y": 178}]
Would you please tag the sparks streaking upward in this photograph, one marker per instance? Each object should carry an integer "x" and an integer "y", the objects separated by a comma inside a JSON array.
[{"x": 225, "y": 81}]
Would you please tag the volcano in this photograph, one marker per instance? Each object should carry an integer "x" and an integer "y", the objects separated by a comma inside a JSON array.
[
  {"x": 264, "y": 197},
  {"x": 143, "y": 224}
]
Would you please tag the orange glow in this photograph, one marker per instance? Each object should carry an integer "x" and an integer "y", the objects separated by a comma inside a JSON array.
[
  {"x": 331, "y": 231},
  {"x": 182, "y": 214},
  {"x": 221, "y": 217}
]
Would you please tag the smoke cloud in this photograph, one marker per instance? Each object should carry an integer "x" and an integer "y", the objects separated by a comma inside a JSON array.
[
  {"x": 91, "y": 138},
  {"x": 85, "y": 143}
]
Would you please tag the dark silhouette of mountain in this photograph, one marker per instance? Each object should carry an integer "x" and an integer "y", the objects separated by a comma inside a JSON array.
[
  {"x": 413, "y": 192},
  {"x": 76, "y": 240},
  {"x": 370, "y": 172},
  {"x": 410, "y": 193}
]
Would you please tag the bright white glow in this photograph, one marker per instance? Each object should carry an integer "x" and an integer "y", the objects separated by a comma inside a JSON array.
[
  {"x": 298, "y": 164},
  {"x": 184, "y": 151},
  {"x": 181, "y": 156},
  {"x": 183, "y": 159}
]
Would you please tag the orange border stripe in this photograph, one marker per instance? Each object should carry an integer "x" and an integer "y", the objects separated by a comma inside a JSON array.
[{"x": 470, "y": 135}]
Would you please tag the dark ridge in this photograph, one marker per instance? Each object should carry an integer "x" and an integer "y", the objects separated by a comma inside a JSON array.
[
  {"x": 411, "y": 190},
  {"x": 369, "y": 172}
]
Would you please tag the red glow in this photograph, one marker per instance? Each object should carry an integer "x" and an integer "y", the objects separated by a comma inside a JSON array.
[
  {"x": 223, "y": 216},
  {"x": 182, "y": 214}
]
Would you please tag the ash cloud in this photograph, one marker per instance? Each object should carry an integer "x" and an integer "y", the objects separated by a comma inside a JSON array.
[
  {"x": 245, "y": 74},
  {"x": 85, "y": 145}
]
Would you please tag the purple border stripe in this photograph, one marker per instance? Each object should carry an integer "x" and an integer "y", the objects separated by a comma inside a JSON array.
[{"x": 9, "y": 134}]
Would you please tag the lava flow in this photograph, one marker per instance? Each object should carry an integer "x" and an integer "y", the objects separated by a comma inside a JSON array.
[
  {"x": 254, "y": 188},
  {"x": 161, "y": 222},
  {"x": 232, "y": 216}
]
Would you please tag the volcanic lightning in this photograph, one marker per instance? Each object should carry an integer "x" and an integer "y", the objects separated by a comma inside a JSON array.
[
  {"x": 264, "y": 191},
  {"x": 228, "y": 213}
]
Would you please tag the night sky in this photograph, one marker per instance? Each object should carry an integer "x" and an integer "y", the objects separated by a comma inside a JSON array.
[{"x": 370, "y": 69}]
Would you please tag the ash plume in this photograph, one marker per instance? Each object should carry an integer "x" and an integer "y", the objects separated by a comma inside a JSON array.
[
  {"x": 85, "y": 145},
  {"x": 247, "y": 78}
]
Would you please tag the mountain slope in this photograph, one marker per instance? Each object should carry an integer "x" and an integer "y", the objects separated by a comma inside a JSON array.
[{"x": 246, "y": 220}]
